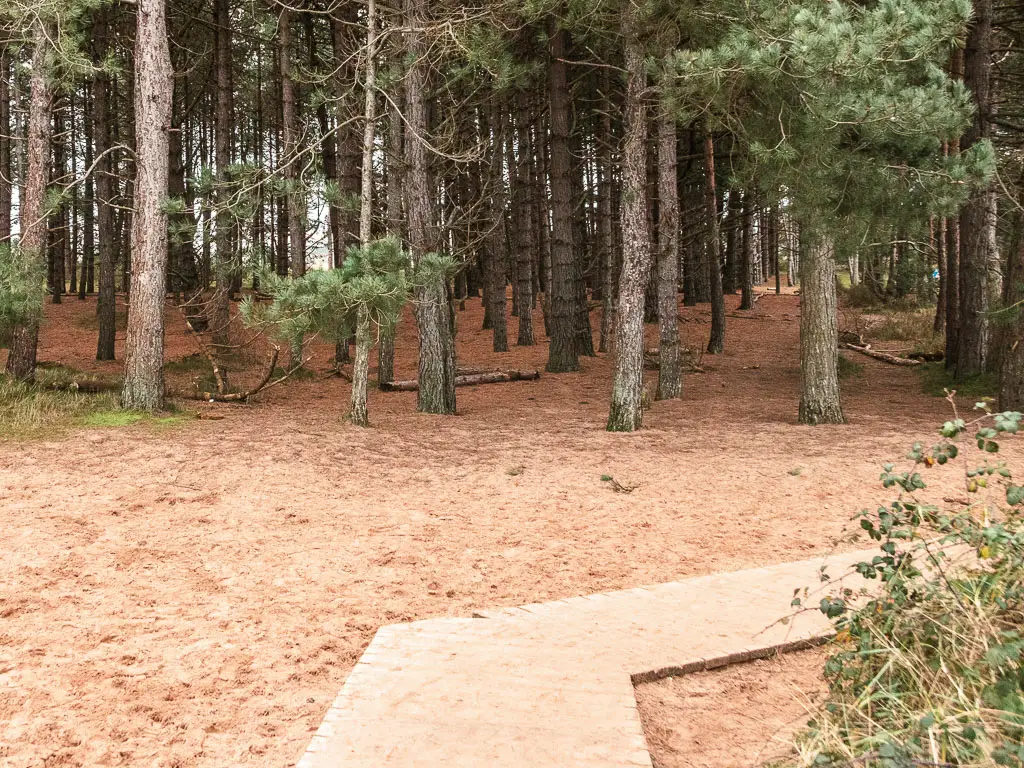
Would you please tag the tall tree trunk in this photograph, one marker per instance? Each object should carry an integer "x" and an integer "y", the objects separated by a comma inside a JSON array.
[
  {"x": 292, "y": 163},
  {"x": 495, "y": 243},
  {"x": 747, "y": 253},
  {"x": 604, "y": 215},
  {"x": 437, "y": 344},
  {"x": 819, "y": 333},
  {"x": 364, "y": 335},
  {"x": 669, "y": 379},
  {"x": 974, "y": 242},
  {"x": 523, "y": 219},
  {"x": 386, "y": 345},
  {"x": 58, "y": 232},
  {"x": 144, "y": 341},
  {"x": 626, "y": 414},
  {"x": 369, "y": 118},
  {"x": 716, "y": 342},
  {"x": 6, "y": 184},
  {"x": 86, "y": 284},
  {"x": 105, "y": 192},
  {"x": 21, "y": 357},
  {"x": 220, "y": 320},
  {"x": 563, "y": 353}
]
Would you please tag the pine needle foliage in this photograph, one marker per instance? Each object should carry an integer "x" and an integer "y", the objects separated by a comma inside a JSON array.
[
  {"x": 843, "y": 107},
  {"x": 22, "y": 287}
]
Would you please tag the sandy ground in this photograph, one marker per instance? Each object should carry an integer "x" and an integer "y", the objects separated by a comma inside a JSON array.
[
  {"x": 736, "y": 717},
  {"x": 196, "y": 596}
]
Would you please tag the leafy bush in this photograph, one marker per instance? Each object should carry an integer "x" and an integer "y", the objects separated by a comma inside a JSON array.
[{"x": 929, "y": 669}]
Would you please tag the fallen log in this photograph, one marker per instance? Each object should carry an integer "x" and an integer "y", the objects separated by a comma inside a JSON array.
[
  {"x": 489, "y": 377},
  {"x": 885, "y": 358}
]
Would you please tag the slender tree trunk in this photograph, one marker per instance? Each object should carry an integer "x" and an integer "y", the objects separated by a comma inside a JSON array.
[
  {"x": 144, "y": 341},
  {"x": 523, "y": 218},
  {"x": 220, "y": 321},
  {"x": 395, "y": 168},
  {"x": 819, "y": 333},
  {"x": 86, "y": 285},
  {"x": 292, "y": 163},
  {"x": 495, "y": 244},
  {"x": 604, "y": 215},
  {"x": 58, "y": 233},
  {"x": 361, "y": 370},
  {"x": 437, "y": 344},
  {"x": 21, "y": 357},
  {"x": 364, "y": 336},
  {"x": 369, "y": 125},
  {"x": 669, "y": 378},
  {"x": 6, "y": 183},
  {"x": 626, "y": 414},
  {"x": 563, "y": 353},
  {"x": 974, "y": 244},
  {"x": 105, "y": 194},
  {"x": 747, "y": 254},
  {"x": 716, "y": 343}
]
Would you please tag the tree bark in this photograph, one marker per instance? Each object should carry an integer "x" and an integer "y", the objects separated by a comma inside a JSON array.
[
  {"x": 974, "y": 244},
  {"x": 105, "y": 193},
  {"x": 220, "y": 320},
  {"x": 604, "y": 216},
  {"x": 746, "y": 253},
  {"x": 437, "y": 345},
  {"x": 6, "y": 183},
  {"x": 369, "y": 125},
  {"x": 290, "y": 129},
  {"x": 495, "y": 241},
  {"x": 361, "y": 370},
  {"x": 819, "y": 333},
  {"x": 626, "y": 413},
  {"x": 523, "y": 220},
  {"x": 21, "y": 357},
  {"x": 144, "y": 341},
  {"x": 716, "y": 342},
  {"x": 563, "y": 353},
  {"x": 669, "y": 378}
]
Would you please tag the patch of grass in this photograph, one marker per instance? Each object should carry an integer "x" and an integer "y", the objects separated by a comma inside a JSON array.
[
  {"x": 119, "y": 418},
  {"x": 33, "y": 411},
  {"x": 47, "y": 409},
  {"x": 848, "y": 368},
  {"x": 795, "y": 471},
  {"x": 935, "y": 380}
]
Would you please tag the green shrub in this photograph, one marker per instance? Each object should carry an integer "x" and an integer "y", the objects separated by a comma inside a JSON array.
[{"x": 929, "y": 666}]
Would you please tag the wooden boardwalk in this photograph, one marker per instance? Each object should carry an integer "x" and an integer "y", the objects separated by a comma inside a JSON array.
[{"x": 551, "y": 684}]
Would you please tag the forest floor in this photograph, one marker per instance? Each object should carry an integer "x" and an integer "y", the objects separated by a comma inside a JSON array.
[
  {"x": 735, "y": 717},
  {"x": 195, "y": 595}
]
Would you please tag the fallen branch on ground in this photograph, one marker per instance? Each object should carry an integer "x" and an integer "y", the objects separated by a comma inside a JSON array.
[
  {"x": 885, "y": 358},
  {"x": 491, "y": 377},
  {"x": 241, "y": 397}
]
